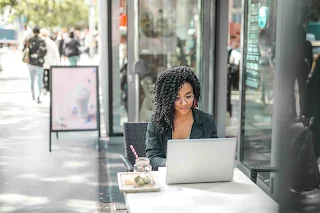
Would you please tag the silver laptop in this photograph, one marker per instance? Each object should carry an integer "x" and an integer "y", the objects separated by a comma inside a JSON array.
[{"x": 200, "y": 160}]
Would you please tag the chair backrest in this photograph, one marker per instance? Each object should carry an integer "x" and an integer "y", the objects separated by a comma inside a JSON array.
[{"x": 135, "y": 135}]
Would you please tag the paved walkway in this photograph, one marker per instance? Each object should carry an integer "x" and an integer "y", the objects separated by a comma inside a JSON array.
[{"x": 72, "y": 178}]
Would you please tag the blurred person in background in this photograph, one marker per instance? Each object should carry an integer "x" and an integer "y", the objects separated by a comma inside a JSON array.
[
  {"x": 52, "y": 57},
  {"x": 37, "y": 52},
  {"x": 27, "y": 34},
  {"x": 62, "y": 39},
  {"x": 311, "y": 104},
  {"x": 72, "y": 50},
  {"x": 234, "y": 57},
  {"x": 266, "y": 65},
  {"x": 61, "y": 45},
  {"x": 302, "y": 63}
]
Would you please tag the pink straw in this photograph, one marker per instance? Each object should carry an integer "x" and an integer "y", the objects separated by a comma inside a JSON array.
[{"x": 134, "y": 152}]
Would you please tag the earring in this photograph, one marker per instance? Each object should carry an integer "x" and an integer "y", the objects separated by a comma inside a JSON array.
[{"x": 194, "y": 104}]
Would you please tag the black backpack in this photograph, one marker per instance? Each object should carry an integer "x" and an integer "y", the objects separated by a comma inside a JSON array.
[{"x": 304, "y": 167}]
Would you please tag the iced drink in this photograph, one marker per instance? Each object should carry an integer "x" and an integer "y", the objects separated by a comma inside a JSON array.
[{"x": 82, "y": 100}]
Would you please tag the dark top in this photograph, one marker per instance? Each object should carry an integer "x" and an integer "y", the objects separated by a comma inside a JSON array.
[
  {"x": 61, "y": 47},
  {"x": 72, "y": 48},
  {"x": 312, "y": 101},
  {"x": 156, "y": 143},
  {"x": 37, "y": 51}
]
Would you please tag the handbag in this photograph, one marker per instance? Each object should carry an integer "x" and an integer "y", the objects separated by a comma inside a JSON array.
[
  {"x": 305, "y": 171},
  {"x": 26, "y": 56}
]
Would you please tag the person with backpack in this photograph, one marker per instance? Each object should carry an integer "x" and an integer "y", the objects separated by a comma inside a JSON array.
[
  {"x": 72, "y": 50},
  {"x": 52, "y": 57},
  {"x": 37, "y": 51}
]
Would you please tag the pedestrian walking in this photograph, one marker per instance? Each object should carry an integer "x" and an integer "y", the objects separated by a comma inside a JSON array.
[
  {"x": 72, "y": 50},
  {"x": 51, "y": 58},
  {"x": 37, "y": 52}
]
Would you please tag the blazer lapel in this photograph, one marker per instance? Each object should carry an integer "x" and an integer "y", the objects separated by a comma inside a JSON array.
[
  {"x": 196, "y": 132},
  {"x": 166, "y": 136}
]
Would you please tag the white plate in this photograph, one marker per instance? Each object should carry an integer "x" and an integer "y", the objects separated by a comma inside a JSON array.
[{"x": 127, "y": 184}]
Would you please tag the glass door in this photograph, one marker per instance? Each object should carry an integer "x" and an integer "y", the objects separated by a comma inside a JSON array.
[
  {"x": 257, "y": 147},
  {"x": 161, "y": 34},
  {"x": 117, "y": 57}
]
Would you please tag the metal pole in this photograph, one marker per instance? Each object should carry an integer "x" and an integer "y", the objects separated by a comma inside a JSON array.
[
  {"x": 50, "y": 141},
  {"x": 92, "y": 26}
]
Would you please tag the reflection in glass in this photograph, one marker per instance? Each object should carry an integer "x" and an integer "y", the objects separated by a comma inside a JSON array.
[
  {"x": 119, "y": 65},
  {"x": 234, "y": 58},
  {"x": 304, "y": 100},
  {"x": 166, "y": 40},
  {"x": 258, "y": 72}
]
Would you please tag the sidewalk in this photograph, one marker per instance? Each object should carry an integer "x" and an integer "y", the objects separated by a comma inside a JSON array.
[
  {"x": 13, "y": 67},
  {"x": 72, "y": 178}
]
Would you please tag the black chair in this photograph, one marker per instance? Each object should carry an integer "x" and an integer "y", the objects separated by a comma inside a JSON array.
[
  {"x": 135, "y": 135},
  {"x": 254, "y": 170}
]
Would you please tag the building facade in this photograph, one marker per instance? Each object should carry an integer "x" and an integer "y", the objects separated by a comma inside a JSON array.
[{"x": 242, "y": 52}]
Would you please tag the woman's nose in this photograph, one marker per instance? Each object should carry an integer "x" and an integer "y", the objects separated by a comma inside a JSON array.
[{"x": 184, "y": 102}]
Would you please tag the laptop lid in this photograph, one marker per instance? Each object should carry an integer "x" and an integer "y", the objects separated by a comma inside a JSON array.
[{"x": 200, "y": 160}]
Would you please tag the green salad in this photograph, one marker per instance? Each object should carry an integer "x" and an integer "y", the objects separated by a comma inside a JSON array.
[{"x": 142, "y": 180}]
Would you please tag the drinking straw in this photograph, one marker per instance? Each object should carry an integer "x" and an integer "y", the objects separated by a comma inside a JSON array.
[{"x": 134, "y": 152}]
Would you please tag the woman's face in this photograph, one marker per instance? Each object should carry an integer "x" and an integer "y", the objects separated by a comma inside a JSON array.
[{"x": 184, "y": 100}]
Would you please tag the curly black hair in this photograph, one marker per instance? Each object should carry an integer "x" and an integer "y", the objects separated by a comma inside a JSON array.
[{"x": 166, "y": 89}]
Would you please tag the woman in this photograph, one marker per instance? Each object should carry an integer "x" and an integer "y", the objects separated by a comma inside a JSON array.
[
  {"x": 51, "y": 58},
  {"x": 177, "y": 93},
  {"x": 37, "y": 51},
  {"x": 72, "y": 50}
]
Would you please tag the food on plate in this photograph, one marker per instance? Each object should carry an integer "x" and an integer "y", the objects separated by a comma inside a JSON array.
[{"x": 142, "y": 180}]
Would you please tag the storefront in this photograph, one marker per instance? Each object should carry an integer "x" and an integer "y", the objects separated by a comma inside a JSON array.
[
  {"x": 256, "y": 147},
  {"x": 279, "y": 40},
  {"x": 149, "y": 36},
  {"x": 145, "y": 37}
]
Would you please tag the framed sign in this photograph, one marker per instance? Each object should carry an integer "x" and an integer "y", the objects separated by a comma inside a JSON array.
[{"x": 74, "y": 93}]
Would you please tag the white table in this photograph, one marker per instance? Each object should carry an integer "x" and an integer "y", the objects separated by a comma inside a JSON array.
[{"x": 238, "y": 196}]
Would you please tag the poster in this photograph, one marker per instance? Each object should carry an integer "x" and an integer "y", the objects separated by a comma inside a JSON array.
[
  {"x": 74, "y": 98},
  {"x": 252, "y": 55}
]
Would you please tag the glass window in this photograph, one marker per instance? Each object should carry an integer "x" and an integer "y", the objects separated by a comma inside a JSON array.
[
  {"x": 258, "y": 72},
  {"x": 119, "y": 65},
  {"x": 306, "y": 46},
  {"x": 169, "y": 36},
  {"x": 236, "y": 3},
  {"x": 234, "y": 57}
]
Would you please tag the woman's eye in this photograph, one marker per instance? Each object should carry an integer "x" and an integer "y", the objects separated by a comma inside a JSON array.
[{"x": 188, "y": 96}]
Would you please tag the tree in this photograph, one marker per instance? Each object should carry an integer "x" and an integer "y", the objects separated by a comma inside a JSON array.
[
  {"x": 8, "y": 3},
  {"x": 49, "y": 13}
]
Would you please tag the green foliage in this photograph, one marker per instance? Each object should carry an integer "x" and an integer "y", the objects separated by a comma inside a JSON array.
[
  {"x": 10, "y": 3},
  {"x": 49, "y": 13}
]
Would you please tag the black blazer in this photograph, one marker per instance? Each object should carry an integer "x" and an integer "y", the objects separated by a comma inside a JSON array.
[{"x": 156, "y": 143}]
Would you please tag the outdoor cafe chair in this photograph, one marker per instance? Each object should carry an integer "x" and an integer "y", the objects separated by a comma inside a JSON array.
[{"x": 135, "y": 135}]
